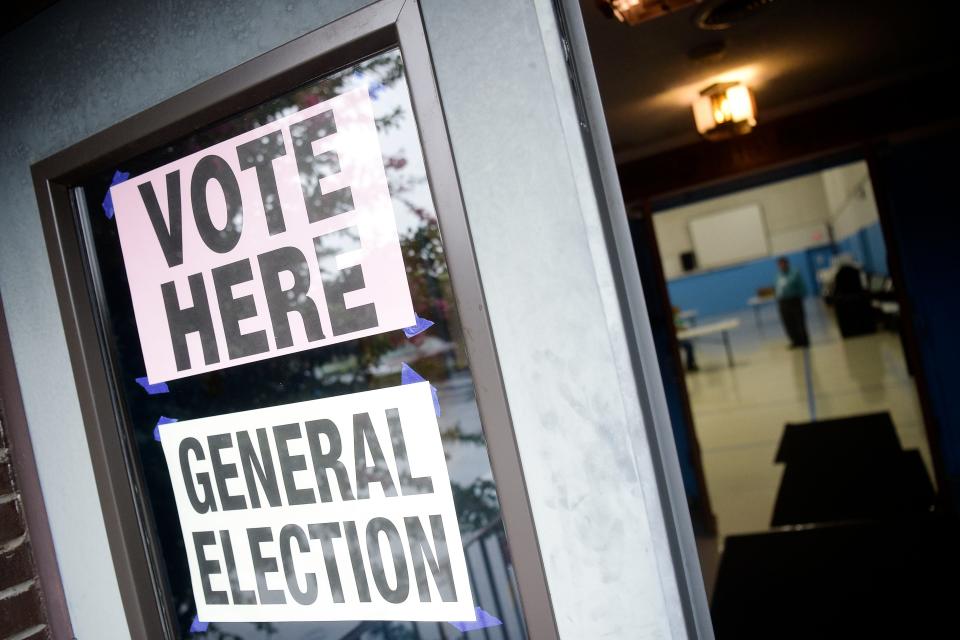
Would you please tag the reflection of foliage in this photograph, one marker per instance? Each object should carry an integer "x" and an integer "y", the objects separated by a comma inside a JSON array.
[
  {"x": 427, "y": 274},
  {"x": 425, "y": 249},
  {"x": 476, "y": 504},
  {"x": 391, "y": 119},
  {"x": 456, "y": 434}
]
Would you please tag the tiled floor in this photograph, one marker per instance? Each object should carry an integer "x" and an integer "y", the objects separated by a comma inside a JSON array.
[{"x": 739, "y": 412}]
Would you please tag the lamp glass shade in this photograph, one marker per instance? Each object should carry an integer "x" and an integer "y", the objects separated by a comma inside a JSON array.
[{"x": 728, "y": 106}]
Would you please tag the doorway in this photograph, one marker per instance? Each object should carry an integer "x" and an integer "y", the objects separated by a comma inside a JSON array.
[
  {"x": 819, "y": 497},
  {"x": 820, "y": 478},
  {"x": 719, "y": 257}
]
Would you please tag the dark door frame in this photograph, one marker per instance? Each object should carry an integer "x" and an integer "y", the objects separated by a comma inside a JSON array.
[
  {"x": 705, "y": 520},
  {"x": 374, "y": 28}
]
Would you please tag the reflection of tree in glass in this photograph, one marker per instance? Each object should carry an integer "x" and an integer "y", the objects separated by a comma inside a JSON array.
[
  {"x": 427, "y": 274},
  {"x": 477, "y": 505}
]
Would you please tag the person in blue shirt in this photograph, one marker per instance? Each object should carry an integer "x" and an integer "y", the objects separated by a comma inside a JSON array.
[{"x": 791, "y": 290}]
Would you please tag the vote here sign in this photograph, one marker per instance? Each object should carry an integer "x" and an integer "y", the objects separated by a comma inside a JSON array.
[
  {"x": 334, "y": 509},
  {"x": 277, "y": 240}
]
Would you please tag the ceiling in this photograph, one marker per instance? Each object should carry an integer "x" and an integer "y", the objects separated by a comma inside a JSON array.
[{"x": 795, "y": 54}]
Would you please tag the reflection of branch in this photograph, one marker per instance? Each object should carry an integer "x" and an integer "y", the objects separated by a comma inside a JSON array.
[
  {"x": 477, "y": 505},
  {"x": 454, "y": 433},
  {"x": 421, "y": 212},
  {"x": 391, "y": 120},
  {"x": 477, "y": 536}
]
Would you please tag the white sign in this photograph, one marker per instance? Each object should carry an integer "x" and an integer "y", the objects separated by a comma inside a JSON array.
[
  {"x": 333, "y": 509},
  {"x": 278, "y": 240}
]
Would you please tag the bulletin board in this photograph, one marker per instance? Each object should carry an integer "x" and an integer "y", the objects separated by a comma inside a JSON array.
[{"x": 728, "y": 237}]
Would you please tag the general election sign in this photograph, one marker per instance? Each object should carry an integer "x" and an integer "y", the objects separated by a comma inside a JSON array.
[
  {"x": 333, "y": 509},
  {"x": 278, "y": 240}
]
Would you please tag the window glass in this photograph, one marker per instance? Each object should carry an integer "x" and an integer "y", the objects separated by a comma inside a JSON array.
[{"x": 373, "y": 362}]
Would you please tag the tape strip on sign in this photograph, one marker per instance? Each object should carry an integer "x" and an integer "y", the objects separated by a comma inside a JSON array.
[
  {"x": 484, "y": 620},
  {"x": 162, "y": 420},
  {"x": 118, "y": 177},
  {"x": 278, "y": 240},
  {"x": 332, "y": 509},
  {"x": 421, "y": 325},
  {"x": 409, "y": 376},
  {"x": 153, "y": 389}
]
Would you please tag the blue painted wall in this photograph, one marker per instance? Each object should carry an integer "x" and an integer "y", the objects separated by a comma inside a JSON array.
[{"x": 727, "y": 290}]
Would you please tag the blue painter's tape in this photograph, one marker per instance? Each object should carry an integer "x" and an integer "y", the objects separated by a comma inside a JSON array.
[
  {"x": 409, "y": 376},
  {"x": 153, "y": 389},
  {"x": 483, "y": 621},
  {"x": 197, "y": 626},
  {"x": 375, "y": 90},
  {"x": 118, "y": 177},
  {"x": 162, "y": 420},
  {"x": 436, "y": 400},
  {"x": 422, "y": 325}
]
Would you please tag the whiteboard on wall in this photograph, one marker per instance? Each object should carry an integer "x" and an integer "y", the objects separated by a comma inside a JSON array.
[{"x": 729, "y": 237}]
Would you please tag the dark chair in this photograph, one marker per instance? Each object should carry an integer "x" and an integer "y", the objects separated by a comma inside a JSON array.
[{"x": 855, "y": 315}]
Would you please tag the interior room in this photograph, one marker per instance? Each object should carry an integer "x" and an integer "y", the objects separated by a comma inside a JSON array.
[
  {"x": 819, "y": 222},
  {"x": 755, "y": 144}
]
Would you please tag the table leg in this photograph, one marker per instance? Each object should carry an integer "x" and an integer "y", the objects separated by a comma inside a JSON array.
[
  {"x": 756, "y": 315},
  {"x": 726, "y": 345}
]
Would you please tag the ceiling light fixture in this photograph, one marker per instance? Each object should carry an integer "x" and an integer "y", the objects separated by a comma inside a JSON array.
[
  {"x": 724, "y": 110},
  {"x": 634, "y": 12}
]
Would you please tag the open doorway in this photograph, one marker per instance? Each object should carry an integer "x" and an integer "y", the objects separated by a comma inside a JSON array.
[
  {"x": 723, "y": 258},
  {"x": 822, "y": 479}
]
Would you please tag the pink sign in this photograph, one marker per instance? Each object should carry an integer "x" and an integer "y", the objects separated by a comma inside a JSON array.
[{"x": 278, "y": 240}]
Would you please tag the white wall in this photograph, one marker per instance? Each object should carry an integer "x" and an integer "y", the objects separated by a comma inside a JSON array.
[
  {"x": 850, "y": 198},
  {"x": 795, "y": 213}
]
